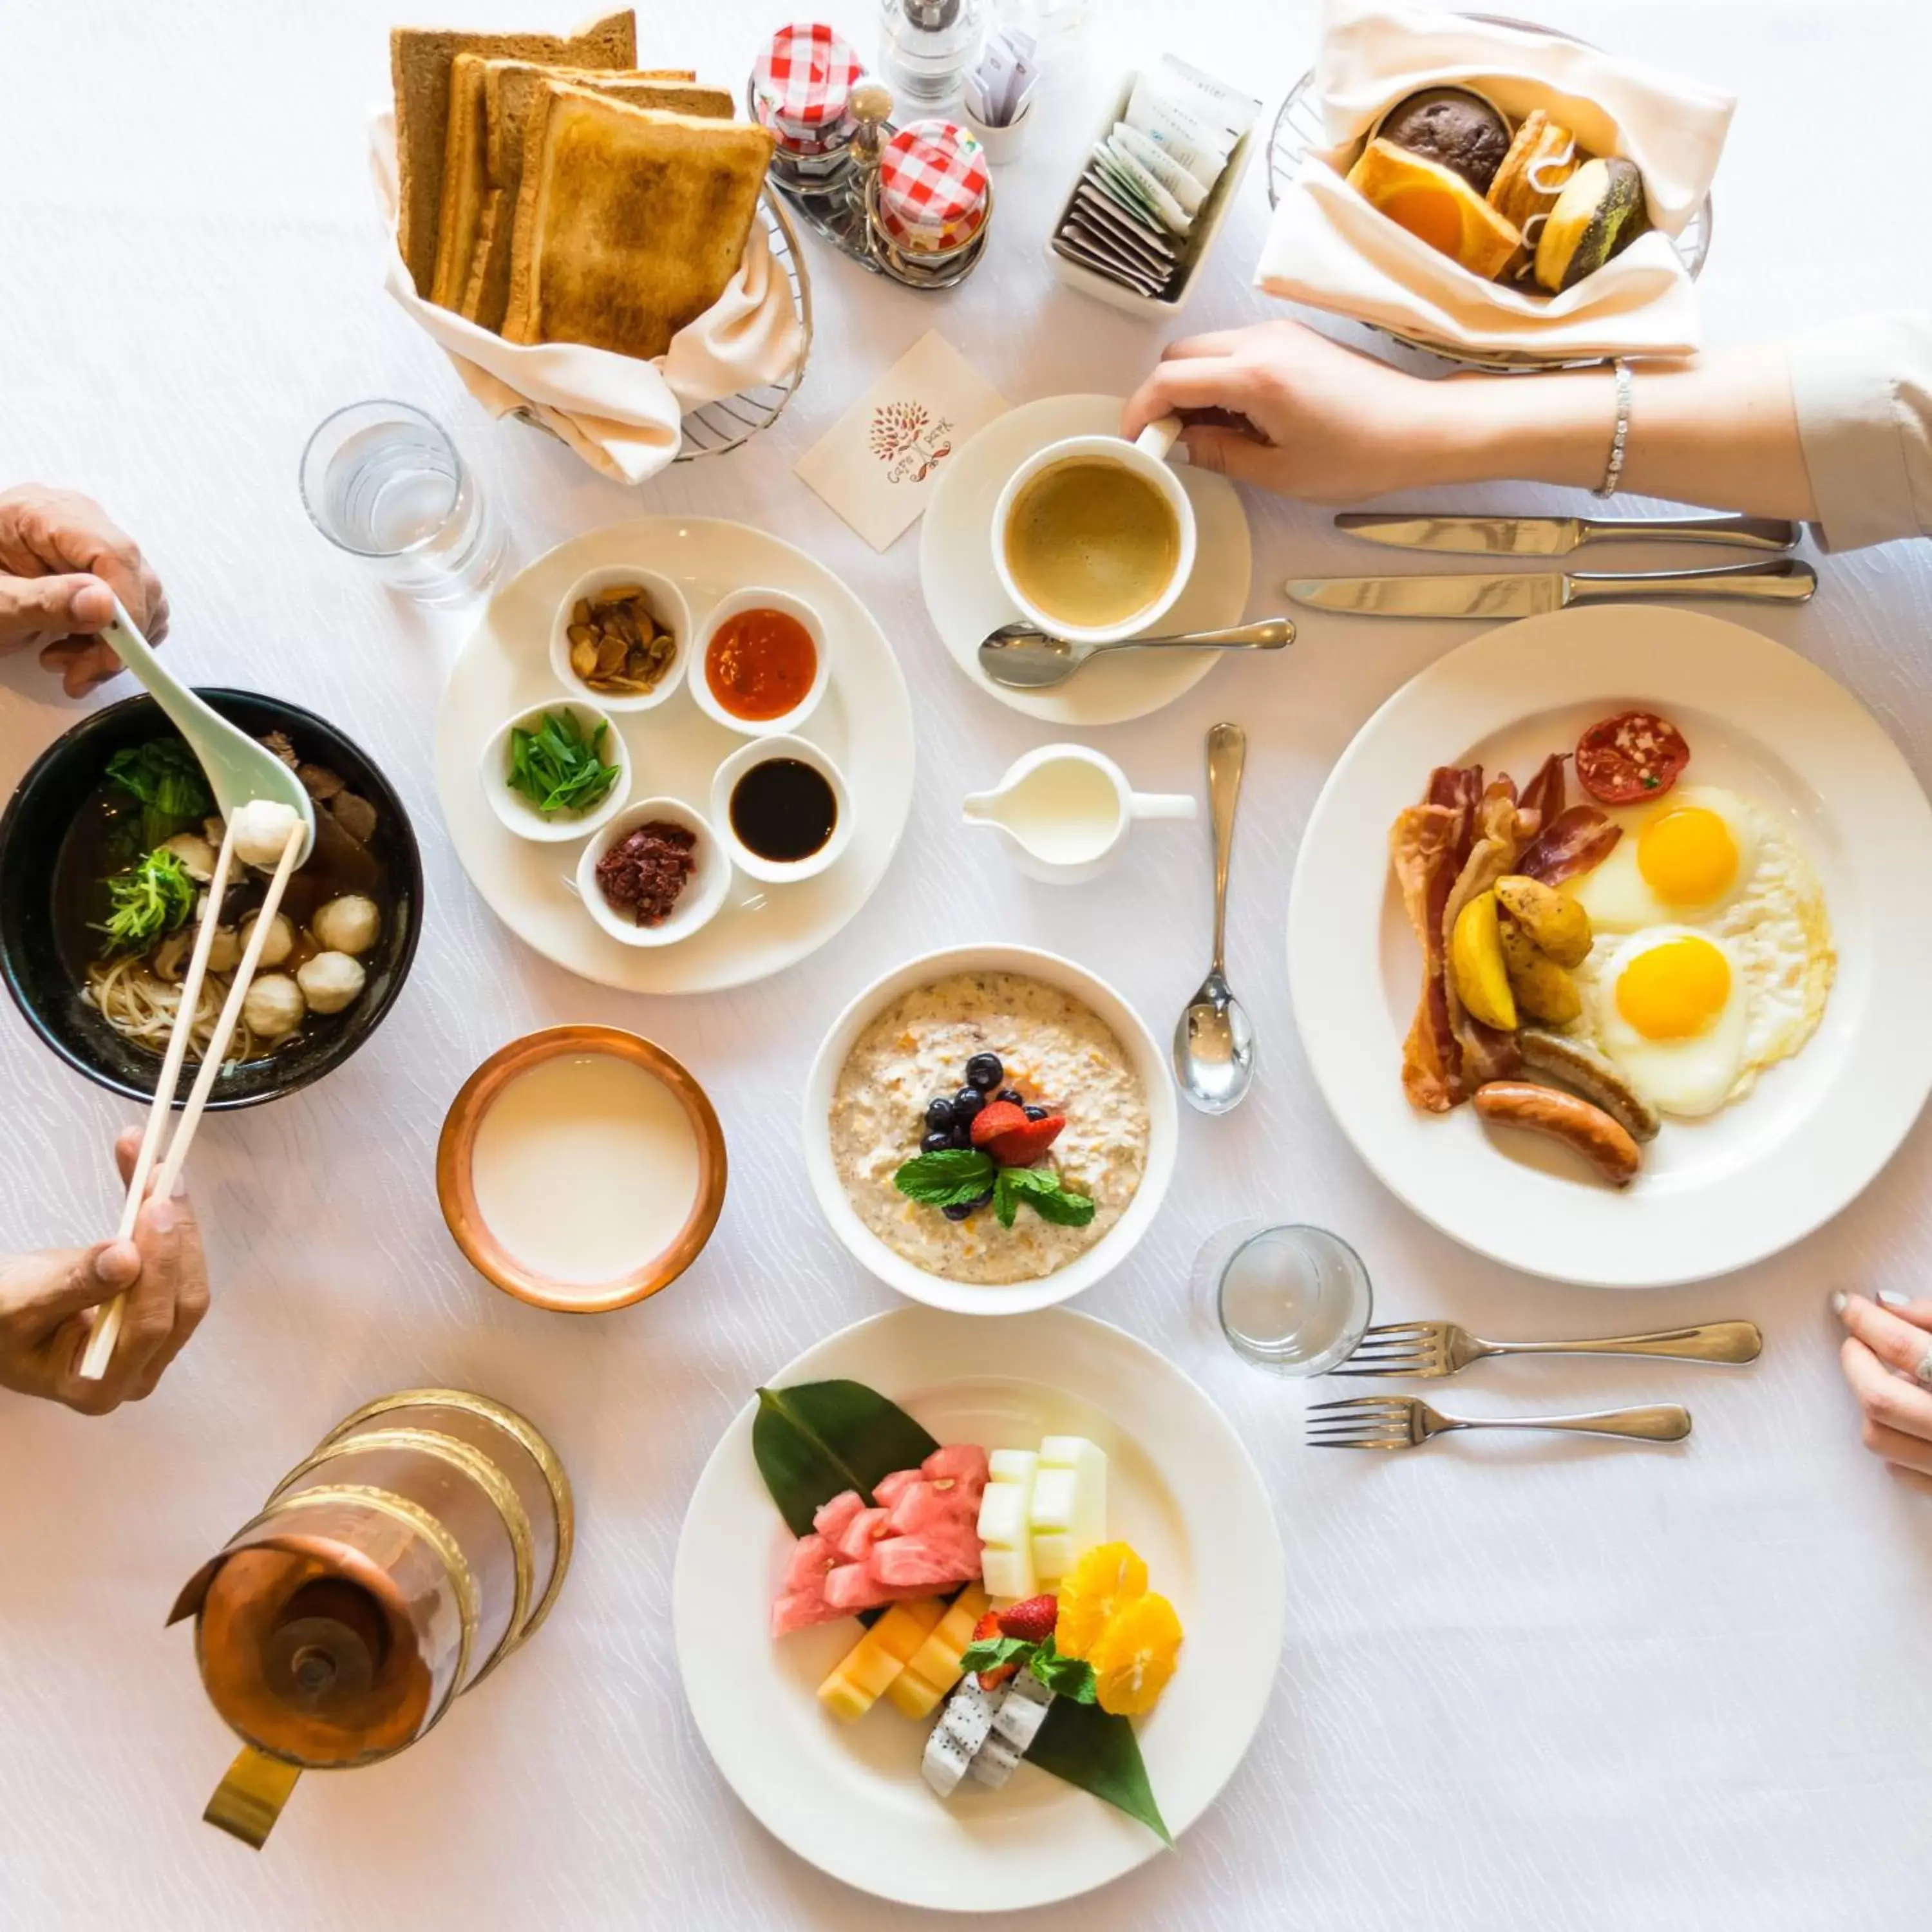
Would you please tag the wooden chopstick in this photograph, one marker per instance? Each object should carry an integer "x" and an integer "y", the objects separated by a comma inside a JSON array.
[{"x": 106, "y": 1331}]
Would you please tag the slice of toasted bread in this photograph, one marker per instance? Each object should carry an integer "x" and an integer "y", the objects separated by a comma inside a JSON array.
[
  {"x": 420, "y": 59},
  {"x": 509, "y": 90},
  {"x": 630, "y": 223}
]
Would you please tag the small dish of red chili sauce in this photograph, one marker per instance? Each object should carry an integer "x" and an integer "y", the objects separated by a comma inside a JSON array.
[{"x": 764, "y": 666}]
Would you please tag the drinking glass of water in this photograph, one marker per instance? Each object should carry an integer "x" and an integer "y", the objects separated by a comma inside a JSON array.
[
  {"x": 383, "y": 481},
  {"x": 1291, "y": 1298}
]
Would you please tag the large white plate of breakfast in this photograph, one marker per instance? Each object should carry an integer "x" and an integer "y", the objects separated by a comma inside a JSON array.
[
  {"x": 967, "y": 602},
  {"x": 1606, "y": 949},
  {"x": 675, "y": 755},
  {"x": 976, "y": 1616},
  {"x": 989, "y": 1129}
]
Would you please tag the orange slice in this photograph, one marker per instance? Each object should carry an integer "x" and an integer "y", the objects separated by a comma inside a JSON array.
[
  {"x": 1108, "y": 1576},
  {"x": 1134, "y": 1656}
]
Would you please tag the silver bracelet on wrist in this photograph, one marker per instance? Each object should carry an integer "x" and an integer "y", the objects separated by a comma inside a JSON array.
[{"x": 1613, "y": 470}]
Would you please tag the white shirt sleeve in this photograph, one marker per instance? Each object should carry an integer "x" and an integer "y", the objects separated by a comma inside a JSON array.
[{"x": 1863, "y": 391}]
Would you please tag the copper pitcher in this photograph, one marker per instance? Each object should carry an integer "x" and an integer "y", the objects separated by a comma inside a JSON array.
[{"x": 392, "y": 1571}]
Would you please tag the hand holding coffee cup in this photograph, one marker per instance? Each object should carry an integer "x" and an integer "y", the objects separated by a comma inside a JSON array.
[{"x": 1093, "y": 536}]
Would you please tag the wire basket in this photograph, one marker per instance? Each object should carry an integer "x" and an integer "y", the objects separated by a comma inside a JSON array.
[
  {"x": 1298, "y": 129},
  {"x": 712, "y": 429}
]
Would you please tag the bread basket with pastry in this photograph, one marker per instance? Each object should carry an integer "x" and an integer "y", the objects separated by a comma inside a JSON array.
[
  {"x": 1491, "y": 191},
  {"x": 591, "y": 242}
]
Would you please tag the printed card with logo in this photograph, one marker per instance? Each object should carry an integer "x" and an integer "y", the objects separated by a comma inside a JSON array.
[{"x": 878, "y": 464}]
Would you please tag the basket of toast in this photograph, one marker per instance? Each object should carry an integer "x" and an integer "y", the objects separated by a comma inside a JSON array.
[{"x": 591, "y": 242}]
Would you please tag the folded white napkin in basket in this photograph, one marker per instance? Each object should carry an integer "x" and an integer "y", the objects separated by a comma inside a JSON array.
[
  {"x": 620, "y": 413},
  {"x": 1327, "y": 248}
]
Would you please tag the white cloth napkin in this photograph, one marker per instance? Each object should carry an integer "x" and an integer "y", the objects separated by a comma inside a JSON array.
[
  {"x": 1327, "y": 248},
  {"x": 620, "y": 413}
]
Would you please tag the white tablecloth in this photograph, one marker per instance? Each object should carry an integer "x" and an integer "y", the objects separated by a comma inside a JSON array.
[{"x": 1563, "y": 1687}]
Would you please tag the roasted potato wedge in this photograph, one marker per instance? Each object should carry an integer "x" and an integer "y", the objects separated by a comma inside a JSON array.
[
  {"x": 1476, "y": 958},
  {"x": 1555, "y": 923},
  {"x": 1542, "y": 989}
]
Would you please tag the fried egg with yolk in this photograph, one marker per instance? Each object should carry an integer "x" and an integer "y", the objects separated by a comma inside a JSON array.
[{"x": 1732, "y": 976}]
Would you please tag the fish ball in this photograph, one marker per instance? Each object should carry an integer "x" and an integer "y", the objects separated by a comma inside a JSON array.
[
  {"x": 349, "y": 924},
  {"x": 274, "y": 1006},
  {"x": 331, "y": 981},
  {"x": 224, "y": 950},
  {"x": 262, "y": 828},
  {"x": 196, "y": 854},
  {"x": 280, "y": 942}
]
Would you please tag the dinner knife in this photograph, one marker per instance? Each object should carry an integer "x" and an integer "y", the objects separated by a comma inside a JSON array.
[
  {"x": 1535, "y": 593},
  {"x": 1557, "y": 536}
]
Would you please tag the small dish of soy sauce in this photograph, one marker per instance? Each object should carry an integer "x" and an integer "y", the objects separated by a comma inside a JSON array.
[{"x": 781, "y": 808}]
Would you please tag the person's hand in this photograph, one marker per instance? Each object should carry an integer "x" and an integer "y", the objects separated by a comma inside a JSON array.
[
  {"x": 1314, "y": 420},
  {"x": 61, "y": 557},
  {"x": 44, "y": 1298},
  {"x": 1887, "y": 1358}
]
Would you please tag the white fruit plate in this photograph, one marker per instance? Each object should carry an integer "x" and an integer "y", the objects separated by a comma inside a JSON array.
[{"x": 849, "y": 1797}]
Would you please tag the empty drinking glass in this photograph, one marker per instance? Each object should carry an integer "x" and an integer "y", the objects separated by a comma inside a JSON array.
[
  {"x": 383, "y": 481},
  {"x": 1291, "y": 1298}
]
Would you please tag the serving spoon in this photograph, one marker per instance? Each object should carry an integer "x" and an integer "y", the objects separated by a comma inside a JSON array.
[
  {"x": 1024, "y": 658},
  {"x": 1214, "y": 1044},
  {"x": 238, "y": 769}
]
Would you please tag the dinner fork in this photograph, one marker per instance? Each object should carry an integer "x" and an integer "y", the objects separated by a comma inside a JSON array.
[
  {"x": 1402, "y": 1421},
  {"x": 1442, "y": 1348}
]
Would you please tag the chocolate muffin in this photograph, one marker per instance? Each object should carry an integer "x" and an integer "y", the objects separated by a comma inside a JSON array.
[{"x": 1454, "y": 128}]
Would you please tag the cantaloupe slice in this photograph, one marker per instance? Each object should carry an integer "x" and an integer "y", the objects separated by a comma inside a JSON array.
[
  {"x": 868, "y": 1669},
  {"x": 933, "y": 1669}
]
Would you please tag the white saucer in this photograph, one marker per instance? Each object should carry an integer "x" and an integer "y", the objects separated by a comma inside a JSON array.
[
  {"x": 865, "y": 723},
  {"x": 964, "y": 600}
]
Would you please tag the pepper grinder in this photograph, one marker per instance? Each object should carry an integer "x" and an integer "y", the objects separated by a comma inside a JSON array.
[{"x": 928, "y": 46}]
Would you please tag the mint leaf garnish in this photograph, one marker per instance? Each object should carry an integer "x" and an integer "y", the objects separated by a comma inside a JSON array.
[
  {"x": 1064, "y": 1676},
  {"x": 1040, "y": 1189},
  {"x": 948, "y": 1178},
  {"x": 991, "y": 1652}
]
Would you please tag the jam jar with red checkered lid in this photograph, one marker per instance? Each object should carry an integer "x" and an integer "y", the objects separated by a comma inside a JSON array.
[
  {"x": 933, "y": 197},
  {"x": 801, "y": 85}
]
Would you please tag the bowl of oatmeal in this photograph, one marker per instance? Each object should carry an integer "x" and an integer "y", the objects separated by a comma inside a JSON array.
[{"x": 1086, "y": 1142}]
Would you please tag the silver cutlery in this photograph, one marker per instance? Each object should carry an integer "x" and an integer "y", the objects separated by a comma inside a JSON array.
[
  {"x": 1402, "y": 1421},
  {"x": 1442, "y": 1348},
  {"x": 1024, "y": 658},
  {"x": 1214, "y": 1044},
  {"x": 1557, "y": 536},
  {"x": 1535, "y": 593}
]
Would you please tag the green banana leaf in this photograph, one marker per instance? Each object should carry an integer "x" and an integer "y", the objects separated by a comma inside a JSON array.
[{"x": 813, "y": 1441}]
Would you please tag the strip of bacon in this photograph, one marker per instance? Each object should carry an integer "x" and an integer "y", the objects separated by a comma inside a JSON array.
[
  {"x": 1422, "y": 845},
  {"x": 1486, "y": 1053},
  {"x": 1572, "y": 842},
  {"x": 1543, "y": 794}
]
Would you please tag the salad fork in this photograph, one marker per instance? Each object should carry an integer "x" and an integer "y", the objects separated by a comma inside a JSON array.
[
  {"x": 1402, "y": 1421},
  {"x": 1441, "y": 1348}
]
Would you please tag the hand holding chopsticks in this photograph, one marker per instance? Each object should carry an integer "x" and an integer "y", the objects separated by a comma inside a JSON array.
[{"x": 101, "y": 1344}]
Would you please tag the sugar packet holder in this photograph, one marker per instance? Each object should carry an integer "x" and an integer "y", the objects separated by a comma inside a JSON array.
[{"x": 1087, "y": 219}]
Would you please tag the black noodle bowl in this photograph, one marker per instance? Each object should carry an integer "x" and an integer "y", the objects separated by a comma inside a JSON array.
[{"x": 36, "y": 822}]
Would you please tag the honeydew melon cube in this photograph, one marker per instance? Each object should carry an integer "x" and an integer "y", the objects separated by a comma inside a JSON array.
[
  {"x": 1008, "y": 1572},
  {"x": 1068, "y": 1515}
]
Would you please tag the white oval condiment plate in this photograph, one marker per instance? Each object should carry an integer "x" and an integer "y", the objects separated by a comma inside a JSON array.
[
  {"x": 964, "y": 600},
  {"x": 981, "y": 1298},
  {"x": 849, "y": 1798},
  {"x": 1715, "y": 1194},
  {"x": 864, "y": 722}
]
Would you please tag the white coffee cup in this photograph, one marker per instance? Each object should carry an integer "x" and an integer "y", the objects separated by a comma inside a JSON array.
[{"x": 1146, "y": 458}]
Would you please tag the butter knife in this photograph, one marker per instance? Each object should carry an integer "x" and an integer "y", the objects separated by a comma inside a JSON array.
[
  {"x": 1535, "y": 593},
  {"x": 1557, "y": 536}
]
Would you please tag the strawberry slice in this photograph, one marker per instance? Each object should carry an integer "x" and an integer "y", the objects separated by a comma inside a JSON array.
[
  {"x": 988, "y": 1631},
  {"x": 995, "y": 1118},
  {"x": 1019, "y": 1146},
  {"x": 1033, "y": 1621}
]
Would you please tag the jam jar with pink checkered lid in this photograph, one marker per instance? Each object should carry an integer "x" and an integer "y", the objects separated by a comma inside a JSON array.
[
  {"x": 932, "y": 200},
  {"x": 801, "y": 91}
]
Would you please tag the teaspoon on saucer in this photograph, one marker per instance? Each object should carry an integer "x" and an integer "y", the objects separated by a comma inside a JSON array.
[
  {"x": 1214, "y": 1044},
  {"x": 1024, "y": 658}
]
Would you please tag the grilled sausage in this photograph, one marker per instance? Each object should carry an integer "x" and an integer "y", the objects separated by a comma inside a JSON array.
[
  {"x": 1578, "y": 1064},
  {"x": 1546, "y": 1110}
]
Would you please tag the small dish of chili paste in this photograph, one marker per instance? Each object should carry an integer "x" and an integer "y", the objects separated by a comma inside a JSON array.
[
  {"x": 762, "y": 665},
  {"x": 655, "y": 874}
]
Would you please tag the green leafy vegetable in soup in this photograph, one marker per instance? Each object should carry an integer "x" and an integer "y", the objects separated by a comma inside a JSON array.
[
  {"x": 147, "y": 900},
  {"x": 164, "y": 775},
  {"x": 556, "y": 767}
]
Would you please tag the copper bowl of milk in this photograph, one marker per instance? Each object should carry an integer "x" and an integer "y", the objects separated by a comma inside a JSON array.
[{"x": 581, "y": 1168}]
